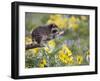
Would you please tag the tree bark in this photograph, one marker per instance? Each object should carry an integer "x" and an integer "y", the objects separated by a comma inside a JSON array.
[{"x": 30, "y": 46}]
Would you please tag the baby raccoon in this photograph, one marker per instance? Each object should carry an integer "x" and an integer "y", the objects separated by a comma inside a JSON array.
[{"x": 44, "y": 33}]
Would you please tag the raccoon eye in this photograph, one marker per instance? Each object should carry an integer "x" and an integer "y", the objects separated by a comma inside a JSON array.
[{"x": 54, "y": 31}]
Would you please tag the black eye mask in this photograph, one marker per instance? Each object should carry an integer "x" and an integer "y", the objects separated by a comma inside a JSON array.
[{"x": 54, "y": 31}]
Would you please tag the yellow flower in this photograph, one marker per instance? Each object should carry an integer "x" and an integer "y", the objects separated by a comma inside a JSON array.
[
  {"x": 28, "y": 40},
  {"x": 66, "y": 50},
  {"x": 56, "y": 16},
  {"x": 59, "y": 20},
  {"x": 35, "y": 50},
  {"x": 51, "y": 43},
  {"x": 73, "y": 23},
  {"x": 42, "y": 63},
  {"x": 70, "y": 60},
  {"x": 75, "y": 27},
  {"x": 64, "y": 57},
  {"x": 72, "y": 19},
  {"x": 79, "y": 59},
  {"x": 61, "y": 54}
]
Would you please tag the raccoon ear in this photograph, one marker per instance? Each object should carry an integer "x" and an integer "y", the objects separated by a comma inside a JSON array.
[{"x": 51, "y": 25}]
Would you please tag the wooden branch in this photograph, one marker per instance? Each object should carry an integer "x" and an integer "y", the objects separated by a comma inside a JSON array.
[{"x": 30, "y": 46}]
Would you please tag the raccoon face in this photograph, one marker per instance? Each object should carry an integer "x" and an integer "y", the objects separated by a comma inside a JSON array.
[
  {"x": 54, "y": 31},
  {"x": 53, "y": 28}
]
